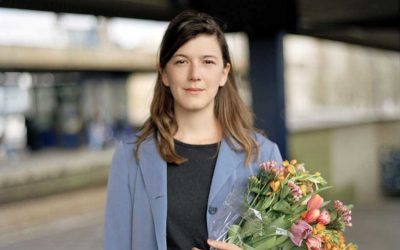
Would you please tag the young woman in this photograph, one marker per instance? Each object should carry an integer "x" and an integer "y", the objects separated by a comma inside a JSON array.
[{"x": 167, "y": 182}]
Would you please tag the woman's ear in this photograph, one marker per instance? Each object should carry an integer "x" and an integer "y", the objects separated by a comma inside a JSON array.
[
  {"x": 225, "y": 74},
  {"x": 164, "y": 77}
]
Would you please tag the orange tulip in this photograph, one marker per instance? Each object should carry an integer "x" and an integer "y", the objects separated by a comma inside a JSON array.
[
  {"x": 312, "y": 216},
  {"x": 315, "y": 202},
  {"x": 275, "y": 185},
  {"x": 291, "y": 169}
]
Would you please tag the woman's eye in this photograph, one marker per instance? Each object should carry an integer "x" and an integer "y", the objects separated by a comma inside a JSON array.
[
  {"x": 209, "y": 62},
  {"x": 180, "y": 62}
]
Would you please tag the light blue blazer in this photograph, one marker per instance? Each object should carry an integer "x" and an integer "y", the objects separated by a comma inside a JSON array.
[{"x": 136, "y": 210}]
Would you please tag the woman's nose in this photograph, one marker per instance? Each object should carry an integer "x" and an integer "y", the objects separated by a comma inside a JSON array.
[{"x": 194, "y": 74}]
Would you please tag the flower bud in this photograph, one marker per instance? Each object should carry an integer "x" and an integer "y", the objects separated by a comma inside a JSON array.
[
  {"x": 312, "y": 216},
  {"x": 313, "y": 243},
  {"x": 315, "y": 202},
  {"x": 324, "y": 218}
]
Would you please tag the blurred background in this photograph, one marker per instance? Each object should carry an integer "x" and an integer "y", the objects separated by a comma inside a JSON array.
[{"x": 322, "y": 77}]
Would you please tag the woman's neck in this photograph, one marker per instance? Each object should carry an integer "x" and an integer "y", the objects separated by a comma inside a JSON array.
[{"x": 197, "y": 127}]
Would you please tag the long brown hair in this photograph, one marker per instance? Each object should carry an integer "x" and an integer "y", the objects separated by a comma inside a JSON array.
[{"x": 235, "y": 118}]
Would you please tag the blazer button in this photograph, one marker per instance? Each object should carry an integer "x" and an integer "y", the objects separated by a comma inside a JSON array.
[{"x": 212, "y": 210}]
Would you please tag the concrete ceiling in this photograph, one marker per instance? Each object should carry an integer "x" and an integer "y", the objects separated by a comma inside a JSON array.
[{"x": 371, "y": 23}]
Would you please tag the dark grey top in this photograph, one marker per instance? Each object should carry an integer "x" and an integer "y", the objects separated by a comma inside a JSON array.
[{"x": 188, "y": 188}]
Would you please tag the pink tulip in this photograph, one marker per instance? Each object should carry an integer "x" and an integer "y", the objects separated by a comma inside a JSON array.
[
  {"x": 315, "y": 202},
  {"x": 300, "y": 230},
  {"x": 324, "y": 218},
  {"x": 312, "y": 215},
  {"x": 314, "y": 243}
]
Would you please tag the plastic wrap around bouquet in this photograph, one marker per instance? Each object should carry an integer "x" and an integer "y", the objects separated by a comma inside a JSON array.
[{"x": 281, "y": 210}]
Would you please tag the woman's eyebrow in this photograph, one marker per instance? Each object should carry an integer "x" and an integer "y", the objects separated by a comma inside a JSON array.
[
  {"x": 180, "y": 55},
  {"x": 206, "y": 56},
  {"x": 186, "y": 56}
]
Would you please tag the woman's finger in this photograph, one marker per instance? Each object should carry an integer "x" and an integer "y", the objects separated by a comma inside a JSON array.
[{"x": 222, "y": 245}]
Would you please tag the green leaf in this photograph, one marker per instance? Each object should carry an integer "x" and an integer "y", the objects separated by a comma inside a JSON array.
[
  {"x": 233, "y": 234},
  {"x": 281, "y": 222},
  {"x": 282, "y": 206},
  {"x": 268, "y": 202},
  {"x": 266, "y": 244},
  {"x": 333, "y": 215},
  {"x": 284, "y": 192},
  {"x": 300, "y": 209},
  {"x": 325, "y": 204},
  {"x": 255, "y": 190},
  {"x": 288, "y": 245},
  {"x": 247, "y": 247},
  {"x": 281, "y": 239},
  {"x": 251, "y": 226}
]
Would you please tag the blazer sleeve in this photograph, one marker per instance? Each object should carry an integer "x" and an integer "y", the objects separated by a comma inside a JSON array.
[{"x": 118, "y": 214}]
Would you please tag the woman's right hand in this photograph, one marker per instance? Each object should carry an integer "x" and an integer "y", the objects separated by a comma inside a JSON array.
[{"x": 219, "y": 245}]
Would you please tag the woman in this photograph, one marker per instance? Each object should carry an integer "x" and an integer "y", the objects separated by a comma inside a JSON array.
[{"x": 167, "y": 182}]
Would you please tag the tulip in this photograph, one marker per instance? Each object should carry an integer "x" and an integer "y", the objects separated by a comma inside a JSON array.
[
  {"x": 303, "y": 215},
  {"x": 275, "y": 185},
  {"x": 312, "y": 215},
  {"x": 291, "y": 169},
  {"x": 300, "y": 230},
  {"x": 315, "y": 202},
  {"x": 313, "y": 243},
  {"x": 303, "y": 188},
  {"x": 324, "y": 218}
]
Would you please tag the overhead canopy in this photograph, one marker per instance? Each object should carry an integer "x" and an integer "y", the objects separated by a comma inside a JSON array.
[{"x": 371, "y": 23}]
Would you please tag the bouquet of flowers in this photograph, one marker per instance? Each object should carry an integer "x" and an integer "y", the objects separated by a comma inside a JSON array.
[{"x": 282, "y": 210}]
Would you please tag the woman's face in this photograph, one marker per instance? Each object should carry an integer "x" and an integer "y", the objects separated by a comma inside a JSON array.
[{"x": 194, "y": 74}]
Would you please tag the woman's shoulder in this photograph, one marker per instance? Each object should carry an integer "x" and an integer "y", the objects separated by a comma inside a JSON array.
[
  {"x": 129, "y": 143},
  {"x": 262, "y": 140},
  {"x": 129, "y": 139},
  {"x": 268, "y": 149},
  {"x": 125, "y": 146}
]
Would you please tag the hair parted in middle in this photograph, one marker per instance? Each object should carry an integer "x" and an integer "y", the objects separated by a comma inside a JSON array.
[{"x": 234, "y": 117}]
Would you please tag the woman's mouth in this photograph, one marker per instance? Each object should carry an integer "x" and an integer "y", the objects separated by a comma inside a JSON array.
[{"x": 194, "y": 91}]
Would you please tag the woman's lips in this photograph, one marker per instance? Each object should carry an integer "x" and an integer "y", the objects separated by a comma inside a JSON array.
[{"x": 194, "y": 90}]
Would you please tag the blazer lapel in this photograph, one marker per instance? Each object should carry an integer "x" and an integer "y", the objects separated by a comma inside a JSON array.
[
  {"x": 228, "y": 160},
  {"x": 154, "y": 170}
]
